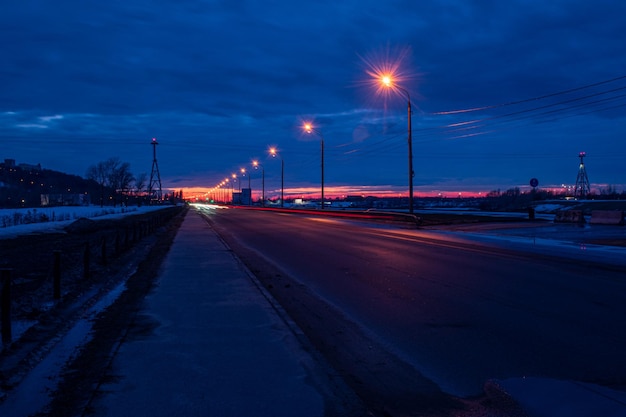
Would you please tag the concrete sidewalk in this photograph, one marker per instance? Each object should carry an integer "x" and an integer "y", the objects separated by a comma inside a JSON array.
[{"x": 209, "y": 342}]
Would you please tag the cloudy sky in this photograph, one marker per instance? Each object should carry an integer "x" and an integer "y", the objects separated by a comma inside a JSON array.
[{"x": 501, "y": 91}]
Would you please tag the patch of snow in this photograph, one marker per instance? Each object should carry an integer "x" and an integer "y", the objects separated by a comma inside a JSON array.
[
  {"x": 59, "y": 217},
  {"x": 548, "y": 208},
  {"x": 34, "y": 392}
]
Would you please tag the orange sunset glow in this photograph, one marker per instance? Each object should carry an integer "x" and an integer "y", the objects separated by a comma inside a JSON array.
[{"x": 338, "y": 192}]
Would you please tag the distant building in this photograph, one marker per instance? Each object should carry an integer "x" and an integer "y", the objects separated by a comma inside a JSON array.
[
  {"x": 10, "y": 163},
  {"x": 66, "y": 199},
  {"x": 30, "y": 167}
]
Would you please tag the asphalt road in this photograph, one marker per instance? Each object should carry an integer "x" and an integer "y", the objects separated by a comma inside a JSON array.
[{"x": 459, "y": 313}]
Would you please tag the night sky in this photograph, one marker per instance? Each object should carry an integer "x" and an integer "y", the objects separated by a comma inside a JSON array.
[{"x": 501, "y": 91}]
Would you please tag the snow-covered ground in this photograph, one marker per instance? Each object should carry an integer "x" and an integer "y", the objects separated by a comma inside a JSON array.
[
  {"x": 15, "y": 222},
  {"x": 550, "y": 208}
]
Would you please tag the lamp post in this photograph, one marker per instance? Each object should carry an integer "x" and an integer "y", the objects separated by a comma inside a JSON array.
[
  {"x": 387, "y": 81},
  {"x": 243, "y": 174},
  {"x": 256, "y": 165},
  {"x": 308, "y": 128},
  {"x": 274, "y": 153},
  {"x": 235, "y": 179},
  {"x": 234, "y": 176}
]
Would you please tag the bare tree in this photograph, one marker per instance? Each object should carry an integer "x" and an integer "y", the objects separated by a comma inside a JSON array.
[
  {"x": 141, "y": 181},
  {"x": 113, "y": 174},
  {"x": 99, "y": 174}
]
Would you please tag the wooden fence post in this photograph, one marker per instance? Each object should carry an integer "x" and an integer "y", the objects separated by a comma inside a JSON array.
[
  {"x": 57, "y": 274},
  {"x": 5, "y": 281},
  {"x": 86, "y": 261},
  {"x": 104, "y": 250}
]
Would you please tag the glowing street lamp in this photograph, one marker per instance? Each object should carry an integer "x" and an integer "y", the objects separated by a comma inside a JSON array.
[
  {"x": 235, "y": 179},
  {"x": 243, "y": 174},
  {"x": 387, "y": 81},
  {"x": 220, "y": 192},
  {"x": 308, "y": 128},
  {"x": 256, "y": 165},
  {"x": 274, "y": 153},
  {"x": 226, "y": 181}
]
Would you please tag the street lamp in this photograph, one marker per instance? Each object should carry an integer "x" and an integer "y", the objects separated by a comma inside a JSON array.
[
  {"x": 235, "y": 179},
  {"x": 220, "y": 191},
  {"x": 274, "y": 153},
  {"x": 243, "y": 174},
  {"x": 388, "y": 82},
  {"x": 234, "y": 176},
  {"x": 226, "y": 181},
  {"x": 256, "y": 165},
  {"x": 308, "y": 128}
]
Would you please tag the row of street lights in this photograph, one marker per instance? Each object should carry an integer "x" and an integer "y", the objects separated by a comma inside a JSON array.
[
  {"x": 386, "y": 80},
  {"x": 308, "y": 128}
]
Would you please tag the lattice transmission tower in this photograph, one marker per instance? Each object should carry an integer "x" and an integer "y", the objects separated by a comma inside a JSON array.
[
  {"x": 155, "y": 191},
  {"x": 582, "y": 188}
]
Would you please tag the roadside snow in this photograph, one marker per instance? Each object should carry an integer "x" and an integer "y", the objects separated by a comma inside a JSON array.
[
  {"x": 59, "y": 217},
  {"x": 548, "y": 208}
]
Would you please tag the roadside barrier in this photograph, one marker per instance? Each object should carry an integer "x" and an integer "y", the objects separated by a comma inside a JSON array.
[
  {"x": 83, "y": 257},
  {"x": 406, "y": 219},
  {"x": 614, "y": 217},
  {"x": 57, "y": 274},
  {"x": 5, "y": 304},
  {"x": 86, "y": 261}
]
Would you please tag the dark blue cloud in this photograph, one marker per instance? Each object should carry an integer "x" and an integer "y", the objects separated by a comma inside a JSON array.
[{"x": 219, "y": 81}]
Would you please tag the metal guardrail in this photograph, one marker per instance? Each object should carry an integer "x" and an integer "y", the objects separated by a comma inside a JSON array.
[{"x": 368, "y": 215}]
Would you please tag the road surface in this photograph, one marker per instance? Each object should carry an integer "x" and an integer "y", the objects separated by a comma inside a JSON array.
[{"x": 459, "y": 313}]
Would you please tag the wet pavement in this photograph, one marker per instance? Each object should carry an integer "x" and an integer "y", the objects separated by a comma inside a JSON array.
[
  {"x": 540, "y": 397},
  {"x": 210, "y": 341},
  {"x": 211, "y": 318}
]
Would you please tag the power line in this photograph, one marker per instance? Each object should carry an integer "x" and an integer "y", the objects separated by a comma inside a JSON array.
[{"x": 511, "y": 103}]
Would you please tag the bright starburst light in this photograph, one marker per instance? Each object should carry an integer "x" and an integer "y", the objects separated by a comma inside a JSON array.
[{"x": 387, "y": 72}]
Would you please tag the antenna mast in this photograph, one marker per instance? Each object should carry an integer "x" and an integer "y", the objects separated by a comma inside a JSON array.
[
  {"x": 582, "y": 188},
  {"x": 155, "y": 190}
]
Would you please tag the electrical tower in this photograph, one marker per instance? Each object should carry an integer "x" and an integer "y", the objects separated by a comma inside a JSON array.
[
  {"x": 155, "y": 190},
  {"x": 582, "y": 188}
]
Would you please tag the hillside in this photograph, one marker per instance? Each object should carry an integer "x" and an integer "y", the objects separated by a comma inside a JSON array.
[{"x": 23, "y": 186}]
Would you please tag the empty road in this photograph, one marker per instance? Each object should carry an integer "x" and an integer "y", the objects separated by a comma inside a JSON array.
[{"x": 459, "y": 313}]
